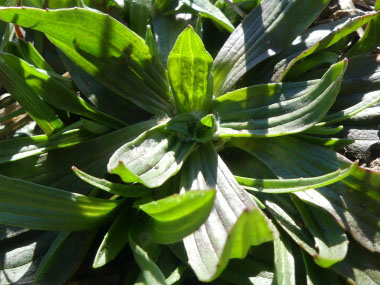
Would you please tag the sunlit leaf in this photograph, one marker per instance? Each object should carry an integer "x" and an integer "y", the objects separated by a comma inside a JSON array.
[
  {"x": 177, "y": 216},
  {"x": 189, "y": 66}
]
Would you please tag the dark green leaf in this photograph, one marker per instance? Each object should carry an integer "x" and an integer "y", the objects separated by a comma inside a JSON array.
[
  {"x": 52, "y": 91},
  {"x": 260, "y": 36},
  {"x": 116, "y": 237},
  {"x": 43, "y": 114},
  {"x": 64, "y": 257},
  {"x": 189, "y": 66},
  {"x": 139, "y": 13},
  {"x": 336, "y": 35},
  {"x": 34, "y": 206}
]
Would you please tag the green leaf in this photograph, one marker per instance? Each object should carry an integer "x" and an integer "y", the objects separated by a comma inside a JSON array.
[
  {"x": 370, "y": 39},
  {"x": 277, "y": 186},
  {"x": 40, "y": 112},
  {"x": 235, "y": 222},
  {"x": 150, "y": 159},
  {"x": 284, "y": 261},
  {"x": 52, "y": 91},
  {"x": 353, "y": 202},
  {"x": 20, "y": 148},
  {"x": 34, "y": 206},
  {"x": 329, "y": 143},
  {"x": 208, "y": 10},
  {"x": 316, "y": 275},
  {"x": 90, "y": 156},
  {"x": 266, "y": 31},
  {"x": 105, "y": 49},
  {"x": 27, "y": 52},
  {"x": 115, "y": 239},
  {"x": 287, "y": 216},
  {"x": 177, "y": 216},
  {"x": 319, "y": 130},
  {"x": 111, "y": 187},
  {"x": 150, "y": 271},
  {"x": 21, "y": 251},
  {"x": 64, "y": 257},
  {"x": 329, "y": 237},
  {"x": 359, "y": 267},
  {"x": 285, "y": 109},
  {"x": 166, "y": 31},
  {"x": 336, "y": 35},
  {"x": 189, "y": 66},
  {"x": 206, "y": 128},
  {"x": 139, "y": 13}
]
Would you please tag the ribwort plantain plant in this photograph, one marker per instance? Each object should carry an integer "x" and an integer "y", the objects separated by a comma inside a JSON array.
[{"x": 165, "y": 154}]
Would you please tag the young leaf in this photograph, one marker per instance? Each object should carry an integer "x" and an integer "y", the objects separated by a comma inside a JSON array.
[
  {"x": 114, "y": 188},
  {"x": 177, "y": 216},
  {"x": 139, "y": 13},
  {"x": 286, "y": 108},
  {"x": 189, "y": 66},
  {"x": 105, "y": 49},
  {"x": 115, "y": 239},
  {"x": 40, "y": 112},
  {"x": 260, "y": 36},
  {"x": 277, "y": 186},
  {"x": 235, "y": 222},
  {"x": 34, "y": 206},
  {"x": 150, "y": 159}
]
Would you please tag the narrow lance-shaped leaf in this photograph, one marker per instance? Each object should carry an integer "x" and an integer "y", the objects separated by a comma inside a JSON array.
[
  {"x": 150, "y": 159},
  {"x": 116, "y": 237},
  {"x": 105, "y": 49},
  {"x": 297, "y": 184},
  {"x": 284, "y": 261},
  {"x": 235, "y": 222},
  {"x": 329, "y": 237},
  {"x": 40, "y": 112},
  {"x": 27, "y": 52},
  {"x": 19, "y": 148},
  {"x": 278, "y": 109},
  {"x": 111, "y": 187},
  {"x": 25, "y": 204},
  {"x": 339, "y": 33},
  {"x": 189, "y": 66},
  {"x": 353, "y": 202},
  {"x": 150, "y": 271},
  {"x": 266, "y": 31},
  {"x": 51, "y": 90},
  {"x": 177, "y": 216}
]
